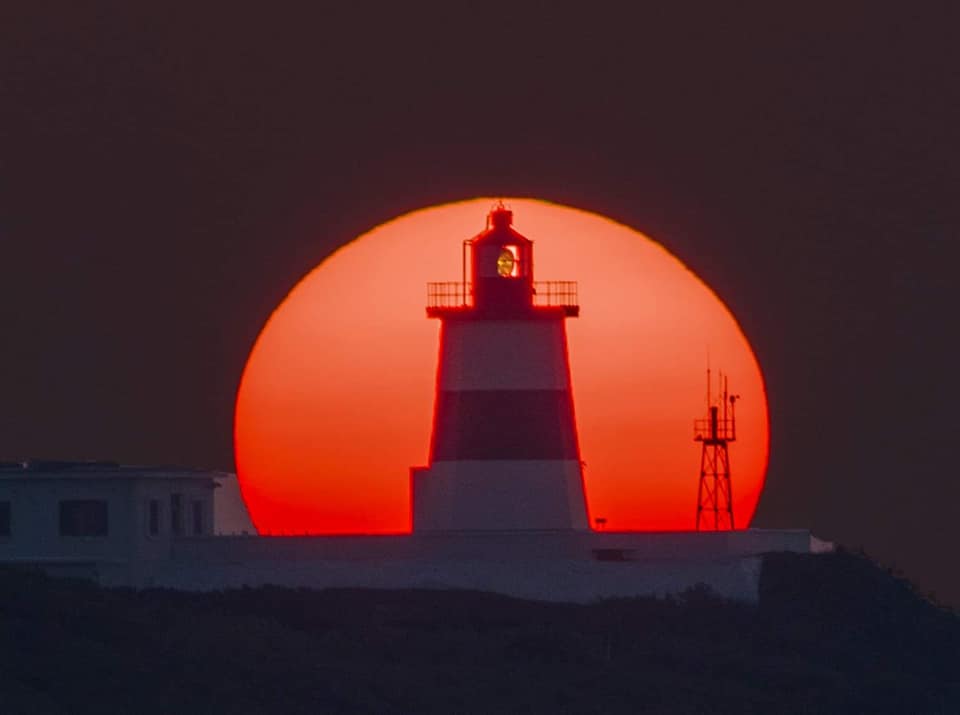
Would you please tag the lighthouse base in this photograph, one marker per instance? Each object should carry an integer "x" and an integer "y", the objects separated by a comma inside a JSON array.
[{"x": 505, "y": 495}]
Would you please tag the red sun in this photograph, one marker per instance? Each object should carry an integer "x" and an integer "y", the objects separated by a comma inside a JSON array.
[{"x": 336, "y": 399}]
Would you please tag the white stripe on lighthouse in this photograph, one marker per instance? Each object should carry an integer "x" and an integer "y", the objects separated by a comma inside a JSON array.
[
  {"x": 503, "y": 355},
  {"x": 502, "y": 495}
]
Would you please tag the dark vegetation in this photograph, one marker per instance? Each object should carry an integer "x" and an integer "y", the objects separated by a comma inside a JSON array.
[{"x": 832, "y": 634}]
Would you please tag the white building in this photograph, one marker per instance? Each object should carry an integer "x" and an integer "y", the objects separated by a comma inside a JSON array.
[{"x": 99, "y": 518}]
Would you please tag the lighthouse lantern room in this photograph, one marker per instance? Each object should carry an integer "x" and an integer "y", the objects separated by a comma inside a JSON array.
[{"x": 504, "y": 453}]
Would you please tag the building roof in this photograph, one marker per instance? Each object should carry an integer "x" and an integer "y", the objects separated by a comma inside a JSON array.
[{"x": 67, "y": 469}]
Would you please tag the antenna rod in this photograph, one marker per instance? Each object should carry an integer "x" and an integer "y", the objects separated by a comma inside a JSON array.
[
  {"x": 724, "y": 403},
  {"x": 463, "y": 271},
  {"x": 733, "y": 414},
  {"x": 709, "y": 396}
]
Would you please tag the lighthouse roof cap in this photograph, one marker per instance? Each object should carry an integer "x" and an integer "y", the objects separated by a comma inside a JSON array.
[{"x": 500, "y": 227}]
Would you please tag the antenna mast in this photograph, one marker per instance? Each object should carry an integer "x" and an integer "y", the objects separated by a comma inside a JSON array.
[{"x": 715, "y": 433}]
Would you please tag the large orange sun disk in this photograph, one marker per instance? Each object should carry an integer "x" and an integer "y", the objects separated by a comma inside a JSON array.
[{"x": 335, "y": 403}]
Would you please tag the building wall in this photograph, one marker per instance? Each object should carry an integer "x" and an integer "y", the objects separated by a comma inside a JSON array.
[
  {"x": 158, "y": 546},
  {"x": 35, "y": 517},
  {"x": 230, "y": 511},
  {"x": 35, "y": 520}
]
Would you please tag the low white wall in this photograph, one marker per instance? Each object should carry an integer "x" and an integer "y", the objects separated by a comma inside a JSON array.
[
  {"x": 496, "y": 546},
  {"x": 565, "y": 566},
  {"x": 561, "y": 580}
]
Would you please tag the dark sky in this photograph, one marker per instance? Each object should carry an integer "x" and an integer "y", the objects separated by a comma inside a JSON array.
[{"x": 167, "y": 174}]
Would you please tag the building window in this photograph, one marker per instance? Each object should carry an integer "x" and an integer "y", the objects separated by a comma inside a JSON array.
[
  {"x": 4, "y": 518},
  {"x": 198, "y": 517},
  {"x": 176, "y": 514},
  {"x": 153, "y": 517},
  {"x": 83, "y": 517}
]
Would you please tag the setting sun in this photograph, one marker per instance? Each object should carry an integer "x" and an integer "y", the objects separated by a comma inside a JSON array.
[{"x": 336, "y": 401}]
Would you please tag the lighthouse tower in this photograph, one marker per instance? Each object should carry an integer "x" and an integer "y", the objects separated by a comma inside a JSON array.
[{"x": 504, "y": 453}]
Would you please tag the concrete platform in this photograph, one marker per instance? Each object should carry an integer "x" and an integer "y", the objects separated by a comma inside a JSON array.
[
  {"x": 575, "y": 567},
  {"x": 493, "y": 545}
]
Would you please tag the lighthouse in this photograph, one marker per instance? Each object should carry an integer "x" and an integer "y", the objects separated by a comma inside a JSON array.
[{"x": 504, "y": 453}]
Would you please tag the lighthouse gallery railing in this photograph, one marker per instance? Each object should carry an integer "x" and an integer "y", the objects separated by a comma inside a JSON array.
[{"x": 456, "y": 294}]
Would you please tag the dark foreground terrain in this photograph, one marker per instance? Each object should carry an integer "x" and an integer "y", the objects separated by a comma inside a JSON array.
[{"x": 832, "y": 634}]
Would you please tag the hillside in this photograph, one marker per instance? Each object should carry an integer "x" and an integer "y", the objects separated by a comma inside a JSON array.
[{"x": 832, "y": 634}]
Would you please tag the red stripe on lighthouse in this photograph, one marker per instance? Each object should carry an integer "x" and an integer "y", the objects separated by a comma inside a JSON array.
[{"x": 504, "y": 424}]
